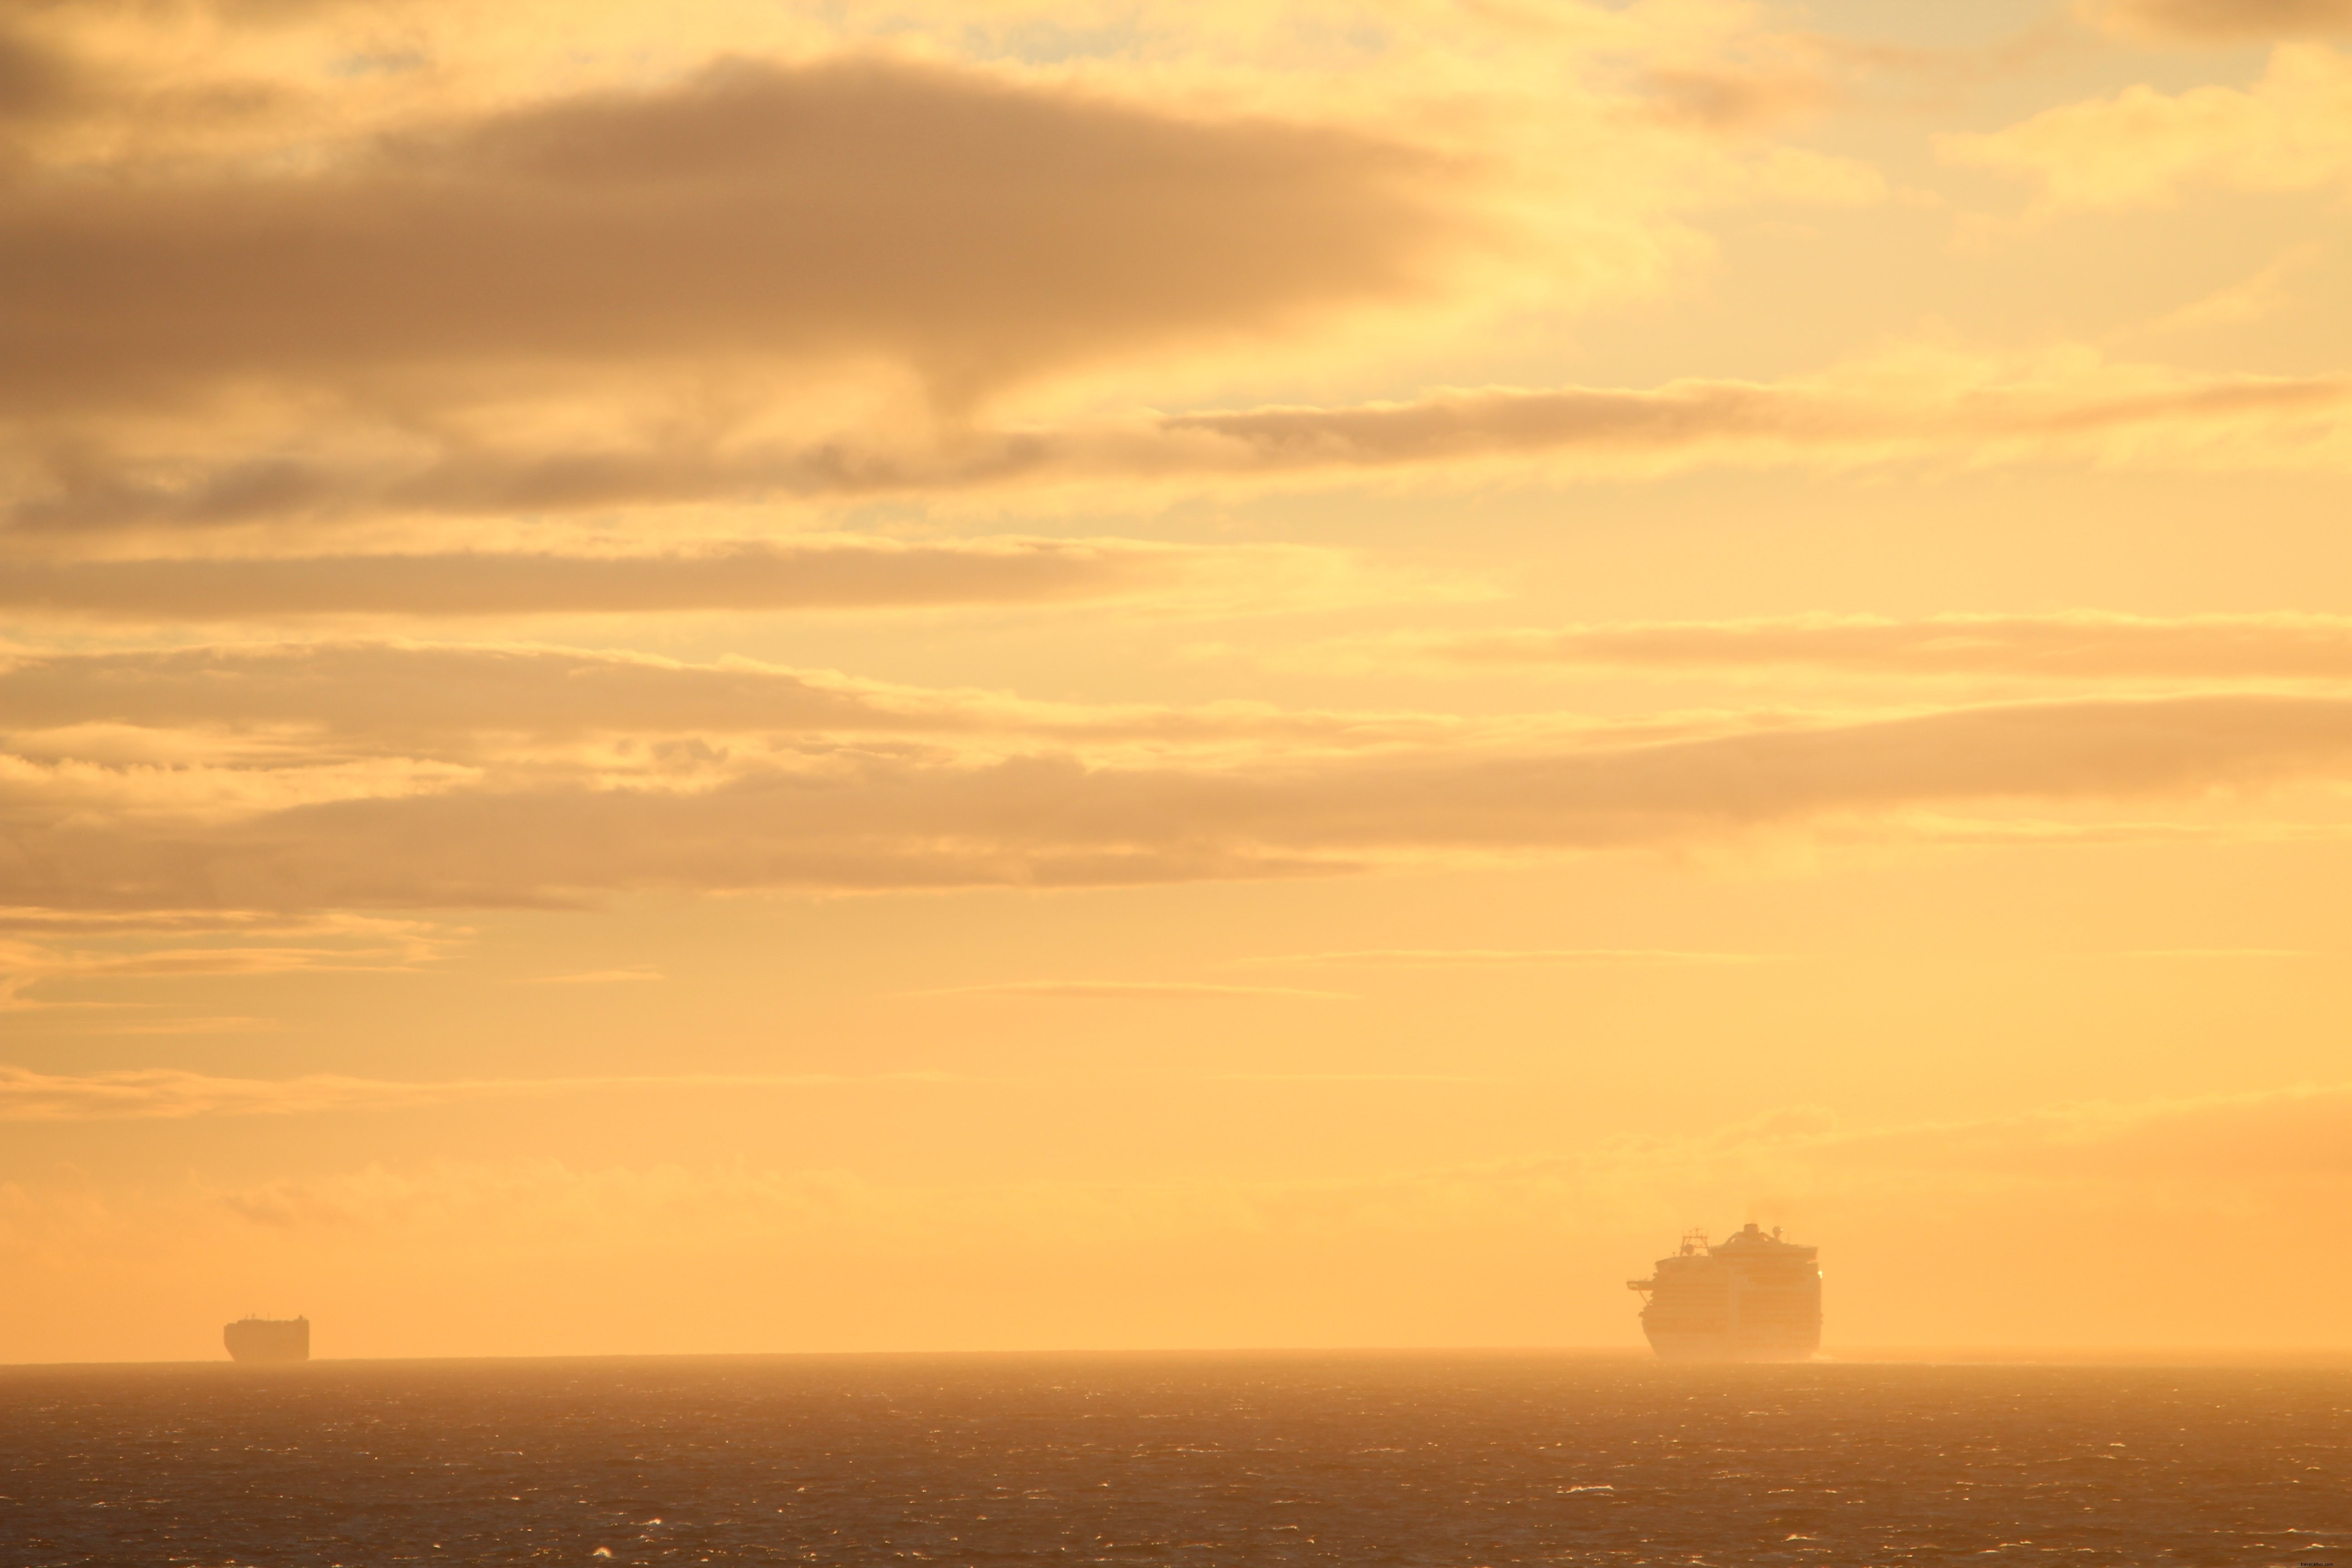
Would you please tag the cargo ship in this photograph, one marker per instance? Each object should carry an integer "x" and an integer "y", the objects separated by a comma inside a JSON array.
[
  {"x": 1754, "y": 1298},
  {"x": 269, "y": 1338}
]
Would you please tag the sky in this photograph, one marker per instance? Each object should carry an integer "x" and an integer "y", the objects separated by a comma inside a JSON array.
[{"x": 737, "y": 676}]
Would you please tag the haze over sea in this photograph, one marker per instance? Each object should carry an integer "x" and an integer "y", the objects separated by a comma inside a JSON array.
[{"x": 1357, "y": 1459}]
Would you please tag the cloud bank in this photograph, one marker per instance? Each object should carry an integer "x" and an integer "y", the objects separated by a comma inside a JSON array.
[
  {"x": 411, "y": 836},
  {"x": 938, "y": 216},
  {"x": 1921, "y": 404}
]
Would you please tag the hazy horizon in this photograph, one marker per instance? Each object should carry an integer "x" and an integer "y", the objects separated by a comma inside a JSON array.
[
  {"x": 2150, "y": 1358},
  {"x": 754, "y": 677}
]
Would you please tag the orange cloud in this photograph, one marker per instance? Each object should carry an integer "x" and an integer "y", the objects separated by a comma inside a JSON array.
[
  {"x": 843, "y": 816},
  {"x": 1144, "y": 991},
  {"x": 1483, "y": 957},
  {"x": 2290, "y": 130},
  {"x": 2072, "y": 646},
  {"x": 974, "y": 228},
  {"x": 2225, "y": 21},
  {"x": 1920, "y": 404},
  {"x": 162, "y": 1093},
  {"x": 809, "y": 573},
  {"x": 457, "y": 701}
]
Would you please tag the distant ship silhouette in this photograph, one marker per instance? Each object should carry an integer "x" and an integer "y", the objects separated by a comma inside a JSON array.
[
  {"x": 1755, "y": 1297},
  {"x": 269, "y": 1338}
]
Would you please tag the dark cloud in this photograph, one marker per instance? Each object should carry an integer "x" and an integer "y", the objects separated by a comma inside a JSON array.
[
  {"x": 937, "y": 218},
  {"x": 37, "y": 81},
  {"x": 848, "y": 818}
]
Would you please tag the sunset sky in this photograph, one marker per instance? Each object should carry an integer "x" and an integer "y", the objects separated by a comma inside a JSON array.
[{"x": 737, "y": 676}]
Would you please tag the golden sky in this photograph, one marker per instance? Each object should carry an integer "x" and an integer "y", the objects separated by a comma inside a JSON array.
[{"x": 730, "y": 674}]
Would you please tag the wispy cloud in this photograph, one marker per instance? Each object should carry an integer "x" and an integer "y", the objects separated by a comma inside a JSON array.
[
  {"x": 2079, "y": 644},
  {"x": 1142, "y": 991},
  {"x": 2224, "y": 21},
  {"x": 873, "y": 817},
  {"x": 2216, "y": 953},
  {"x": 168, "y": 1094},
  {"x": 1367, "y": 1078},
  {"x": 837, "y": 573},
  {"x": 2249, "y": 299},
  {"x": 141, "y": 946},
  {"x": 109, "y": 1024},
  {"x": 600, "y": 977},
  {"x": 1923, "y": 403},
  {"x": 456, "y": 699},
  {"x": 1477, "y": 957}
]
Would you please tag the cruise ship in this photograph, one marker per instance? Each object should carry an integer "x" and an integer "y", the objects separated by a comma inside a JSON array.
[
  {"x": 1754, "y": 1298},
  {"x": 269, "y": 1338}
]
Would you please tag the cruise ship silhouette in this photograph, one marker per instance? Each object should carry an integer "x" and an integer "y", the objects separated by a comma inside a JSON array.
[{"x": 1754, "y": 1298}]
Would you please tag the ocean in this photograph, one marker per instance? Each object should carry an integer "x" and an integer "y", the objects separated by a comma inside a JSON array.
[{"x": 1356, "y": 1458}]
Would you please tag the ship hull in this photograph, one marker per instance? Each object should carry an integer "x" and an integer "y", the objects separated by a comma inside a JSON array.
[
  {"x": 1696, "y": 1347},
  {"x": 266, "y": 1342}
]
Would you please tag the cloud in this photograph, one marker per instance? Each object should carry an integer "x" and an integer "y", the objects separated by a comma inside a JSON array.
[
  {"x": 427, "y": 268},
  {"x": 164, "y": 1093},
  {"x": 171, "y": 964},
  {"x": 185, "y": 1024},
  {"x": 1483, "y": 957},
  {"x": 2225, "y": 21},
  {"x": 2224, "y": 1138},
  {"x": 2253, "y": 299},
  {"x": 1921, "y": 402},
  {"x": 853, "y": 817},
  {"x": 601, "y": 977},
  {"x": 2079, "y": 644},
  {"x": 2291, "y": 131},
  {"x": 821, "y": 572},
  {"x": 1909, "y": 405},
  {"x": 2215, "y": 952},
  {"x": 237, "y": 945},
  {"x": 301, "y": 702},
  {"x": 1143, "y": 991},
  {"x": 37, "y": 80},
  {"x": 419, "y": 938},
  {"x": 975, "y": 227}
]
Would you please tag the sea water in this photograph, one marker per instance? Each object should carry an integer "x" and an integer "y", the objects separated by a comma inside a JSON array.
[{"x": 1205, "y": 1459}]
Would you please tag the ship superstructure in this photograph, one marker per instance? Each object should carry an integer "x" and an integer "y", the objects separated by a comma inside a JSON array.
[
  {"x": 269, "y": 1338},
  {"x": 1753, "y": 1298}
]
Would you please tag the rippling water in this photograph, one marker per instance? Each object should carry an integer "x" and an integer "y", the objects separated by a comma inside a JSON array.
[{"x": 1456, "y": 1459}]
